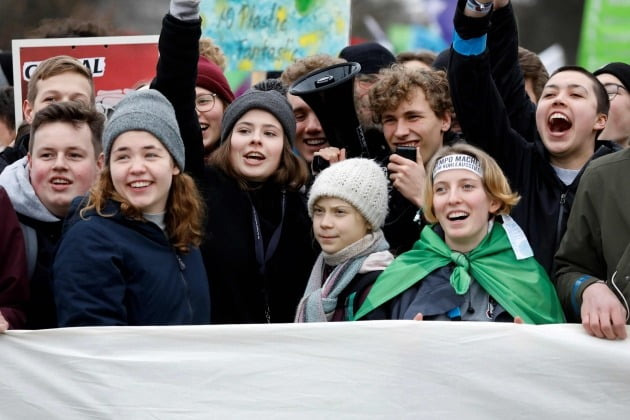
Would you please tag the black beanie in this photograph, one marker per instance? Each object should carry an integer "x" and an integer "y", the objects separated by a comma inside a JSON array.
[
  {"x": 371, "y": 55},
  {"x": 620, "y": 70}
]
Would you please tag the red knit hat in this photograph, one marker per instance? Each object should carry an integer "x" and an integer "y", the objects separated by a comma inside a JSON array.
[{"x": 210, "y": 76}]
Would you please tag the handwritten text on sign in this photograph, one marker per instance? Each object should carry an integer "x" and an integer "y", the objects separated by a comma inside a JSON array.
[{"x": 271, "y": 34}]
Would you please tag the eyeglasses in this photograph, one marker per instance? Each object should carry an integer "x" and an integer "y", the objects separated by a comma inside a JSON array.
[
  {"x": 612, "y": 89},
  {"x": 205, "y": 102}
]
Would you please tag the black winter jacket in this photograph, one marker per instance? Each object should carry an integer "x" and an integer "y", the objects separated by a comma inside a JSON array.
[
  {"x": 40, "y": 309},
  {"x": 240, "y": 292}
]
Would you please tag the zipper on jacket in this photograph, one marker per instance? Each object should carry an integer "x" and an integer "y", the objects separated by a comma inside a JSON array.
[
  {"x": 182, "y": 267},
  {"x": 563, "y": 200}
]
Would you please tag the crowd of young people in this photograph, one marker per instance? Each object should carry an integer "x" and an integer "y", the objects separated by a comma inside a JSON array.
[{"x": 191, "y": 205}]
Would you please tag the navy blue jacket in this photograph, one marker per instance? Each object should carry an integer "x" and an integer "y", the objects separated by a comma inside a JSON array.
[{"x": 118, "y": 271}]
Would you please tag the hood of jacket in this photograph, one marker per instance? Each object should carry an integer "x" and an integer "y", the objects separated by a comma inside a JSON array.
[{"x": 15, "y": 179}]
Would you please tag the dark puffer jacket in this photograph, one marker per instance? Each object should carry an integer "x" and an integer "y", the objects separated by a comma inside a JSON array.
[{"x": 118, "y": 271}]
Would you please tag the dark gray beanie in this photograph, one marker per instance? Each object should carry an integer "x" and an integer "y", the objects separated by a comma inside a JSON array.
[
  {"x": 271, "y": 101},
  {"x": 146, "y": 110}
]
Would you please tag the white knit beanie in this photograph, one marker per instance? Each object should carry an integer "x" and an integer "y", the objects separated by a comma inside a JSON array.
[{"x": 360, "y": 182}]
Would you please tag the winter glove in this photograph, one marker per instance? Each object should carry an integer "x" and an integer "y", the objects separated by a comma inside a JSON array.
[
  {"x": 185, "y": 9},
  {"x": 469, "y": 27}
]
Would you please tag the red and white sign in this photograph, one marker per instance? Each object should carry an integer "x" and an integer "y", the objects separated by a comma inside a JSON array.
[{"x": 119, "y": 64}]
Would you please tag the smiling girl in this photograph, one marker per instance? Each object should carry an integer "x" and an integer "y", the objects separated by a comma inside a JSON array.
[
  {"x": 130, "y": 256},
  {"x": 473, "y": 263},
  {"x": 258, "y": 249},
  {"x": 348, "y": 204},
  {"x": 212, "y": 96}
]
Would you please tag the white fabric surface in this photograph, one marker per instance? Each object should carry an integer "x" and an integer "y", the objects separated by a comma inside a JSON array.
[{"x": 384, "y": 369}]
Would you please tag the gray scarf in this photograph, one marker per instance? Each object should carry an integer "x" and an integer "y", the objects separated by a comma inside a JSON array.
[{"x": 320, "y": 298}]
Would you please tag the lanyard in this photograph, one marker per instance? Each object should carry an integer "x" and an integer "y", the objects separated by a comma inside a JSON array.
[{"x": 264, "y": 255}]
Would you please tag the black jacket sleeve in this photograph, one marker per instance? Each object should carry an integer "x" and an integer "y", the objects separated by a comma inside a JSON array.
[
  {"x": 482, "y": 113},
  {"x": 507, "y": 73},
  {"x": 176, "y": 79}
]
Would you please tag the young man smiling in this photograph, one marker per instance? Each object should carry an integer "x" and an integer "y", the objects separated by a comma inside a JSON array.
[
  {"x": 415, "y": 110},
  {"x": 62, "y": 163},
  {"x": 544, "y": 169},
  {"x": 310, "y": 136},
  {"x": 57, "y": 79}
]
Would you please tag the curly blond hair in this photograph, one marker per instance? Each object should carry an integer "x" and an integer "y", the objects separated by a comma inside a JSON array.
[
  {"x": 398, "y": 84},
  {"x": 214, "y": 53},
  {"x": 426, "y": 57}
]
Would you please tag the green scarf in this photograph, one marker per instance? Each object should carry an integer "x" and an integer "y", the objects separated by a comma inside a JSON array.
[{"x": 522, "y": 287}]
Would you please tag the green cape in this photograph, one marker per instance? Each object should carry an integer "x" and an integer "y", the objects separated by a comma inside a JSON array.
[{"x": 522, "y": 287}]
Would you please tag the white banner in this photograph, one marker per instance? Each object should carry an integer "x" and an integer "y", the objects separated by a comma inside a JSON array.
[{"x": 385, "y": 370}]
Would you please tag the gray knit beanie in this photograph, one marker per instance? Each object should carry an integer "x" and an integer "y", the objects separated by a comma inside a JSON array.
[
  {"x": 271, "y": 101},
  {"x": 146, "y": 110},
  {"x": 361, "y": 182}
]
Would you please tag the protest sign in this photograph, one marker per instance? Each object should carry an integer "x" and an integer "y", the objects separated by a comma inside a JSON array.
[
  {"x": 118, "y": 64},
  {"x": 262, "y": 35},
  {"x": 375, "y": 369},
  {"x": 605, "y": 33}
]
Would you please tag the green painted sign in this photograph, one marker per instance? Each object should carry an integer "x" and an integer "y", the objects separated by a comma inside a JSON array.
[
  {"x": 605, "y": 33},
  {"x": 260, "y": 35}
]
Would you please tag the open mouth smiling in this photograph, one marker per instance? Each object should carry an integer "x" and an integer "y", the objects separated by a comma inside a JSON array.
[
  {"x": 140, "y": 184},
  {"x": 315, "y": 142},
  {"x": 255, "y": 156},
  {"x": 60, "y": 181},
  {"x": 559, "y": 123},
  {"x": 411, "y": 143},
  {"x": 457, "y": 216}
]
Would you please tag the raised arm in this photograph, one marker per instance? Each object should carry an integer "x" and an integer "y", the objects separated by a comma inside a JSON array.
[
  {"x": 177, "y": 74},
  {"x": 506, "y": 71},
  {"x": 478, "y": 104}
]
